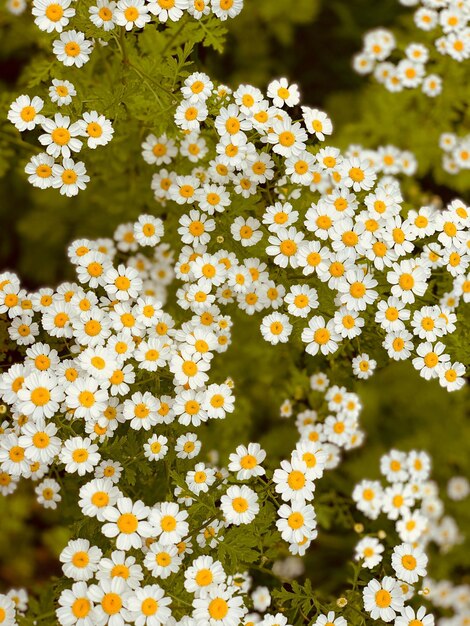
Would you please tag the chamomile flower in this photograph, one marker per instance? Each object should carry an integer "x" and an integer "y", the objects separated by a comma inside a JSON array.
[
  {"x": 411, "y": 526},
  {"x": 85, "y": 398},
  {"x": 141, "y": 410},
  {"x": 60, "y": 136},
  {"x": 169, "y": 523},
  {"x": 223, "y": 10},
  {"x": 72, "y": 48},
  {"x": 300, "y": 300},
  {"x": 149, "y": 606},
  {"x": 123, "y": 283},
  {"x": 52, "y": 15},
  {"x": 24, "y": 112},
  {"x": 218, "y": 401},
  {"x": 80, "y": 559},
  {"x": 164, "y": 10},
  {"x": 158, "y": 150},
  {"x": 368, "y": 496},
  {"x": 189, "y": 115},
  {"x": 293, "y": 481},
  {"x": 239, "y": 505},
  {"x": 282, "y": 93},
  {"x": 287, "y": 138},
  {"x": 75, "y": 606},
  {"x": 189, "y": 369},
  {"x": 187, "y": 446},
  {"x": 317, "y": 122},
  {"x": 219, "y": 606},
  {"x": 109, "y": 598},
  {"x": 276, "y": 328},
  {"x": 363, "y": 366},
  {"x": 200, "y": 479},
  {"x": 369, "y": 551},
  {"x": 132, "y": 14},
  {"x": 48, "y": 493},
  {"x": 409, "y": 562},
  {"x": 96, "y": 495},
  {"x": 79, "y": 455},
  {"x": 409, "y": 616},
  {"x": 39, "y": 170},
  {"x": 195, "y": 228},
  {"x": 391, "y": 314},
  {"x": 102, "y": 14},
  {"x": 247, "y": 460},
  {"x": 70, "y": 177},
  {"x": 320, "y": 336},
  {"x": 429, "y": 358},
  {"x": 39, "y": 395},
  {"x": 197, "y": 87},
  {"x": 383, "y": 599},
  {"x": 330, "y": 618},
  {"x": 96, "y": 129},
  {"x": 155, "y": 449},
  {"x": 394, "y": 466},
  {"x": 246, "y": 231},
  {"x": 39, "y": 441},
  {"x": 296, "y": 523},
  {"x": 451, "y": 375},
  {"x": 119, "y": 565},
  {"x": 162, "y": 560},
  {"x": 284, "y": 246},
  {"x": 126, "y": 521},
  {"x": 109, "y": 469}
]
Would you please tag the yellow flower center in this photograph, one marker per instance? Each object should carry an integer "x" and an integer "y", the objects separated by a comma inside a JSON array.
[
  {"x": 240, "y": 505},
  {"x": 295, "y": 520},
  {"x": 41, "y": 440},
  {"x": 80, "y": 559},
  {"x": 80, "y": 455},
  {"x": 40, "y": 396},
  {"x": 204, "y": 577},
  {"x": 127, "y": 523},
  {"x": 111, "y": 603},
  {"x": 28, "y": 113},
  {"x": 383, "y": 599},
  {"x": 408, "y": 561},
  {"x": 131, "y": 14},
  {"x": 60, "y": 136},
  {"x": 218, "y": 608},
  {"x": 54, "y": 12},
  {"x": 296, "y": 480}
]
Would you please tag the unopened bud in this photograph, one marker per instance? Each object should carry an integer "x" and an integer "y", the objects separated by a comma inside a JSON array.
[
  {"x": 341, "y": 602},
  {"x": 358, "y": 528},
  {"x": 381, "y": 534}
]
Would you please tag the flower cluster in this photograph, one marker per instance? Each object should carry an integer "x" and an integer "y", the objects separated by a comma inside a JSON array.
[
  {"x": 318, "y": 236},
  {"x": 104, "y": 364},
  {"x": 55, "y": 167},
  {"x": 410, "y": 501},
  {"x": 446, "y": 597},
  {"x": 456, "y": 157},
  {"x": 324, "y": 430},
  {"x": 448, "y": 23},
  {"x": 86, "y": 344},
  {"x": 73, "y": 48}
]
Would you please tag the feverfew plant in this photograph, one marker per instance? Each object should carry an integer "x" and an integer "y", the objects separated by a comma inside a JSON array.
[{"x": 113, "y": 382}]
